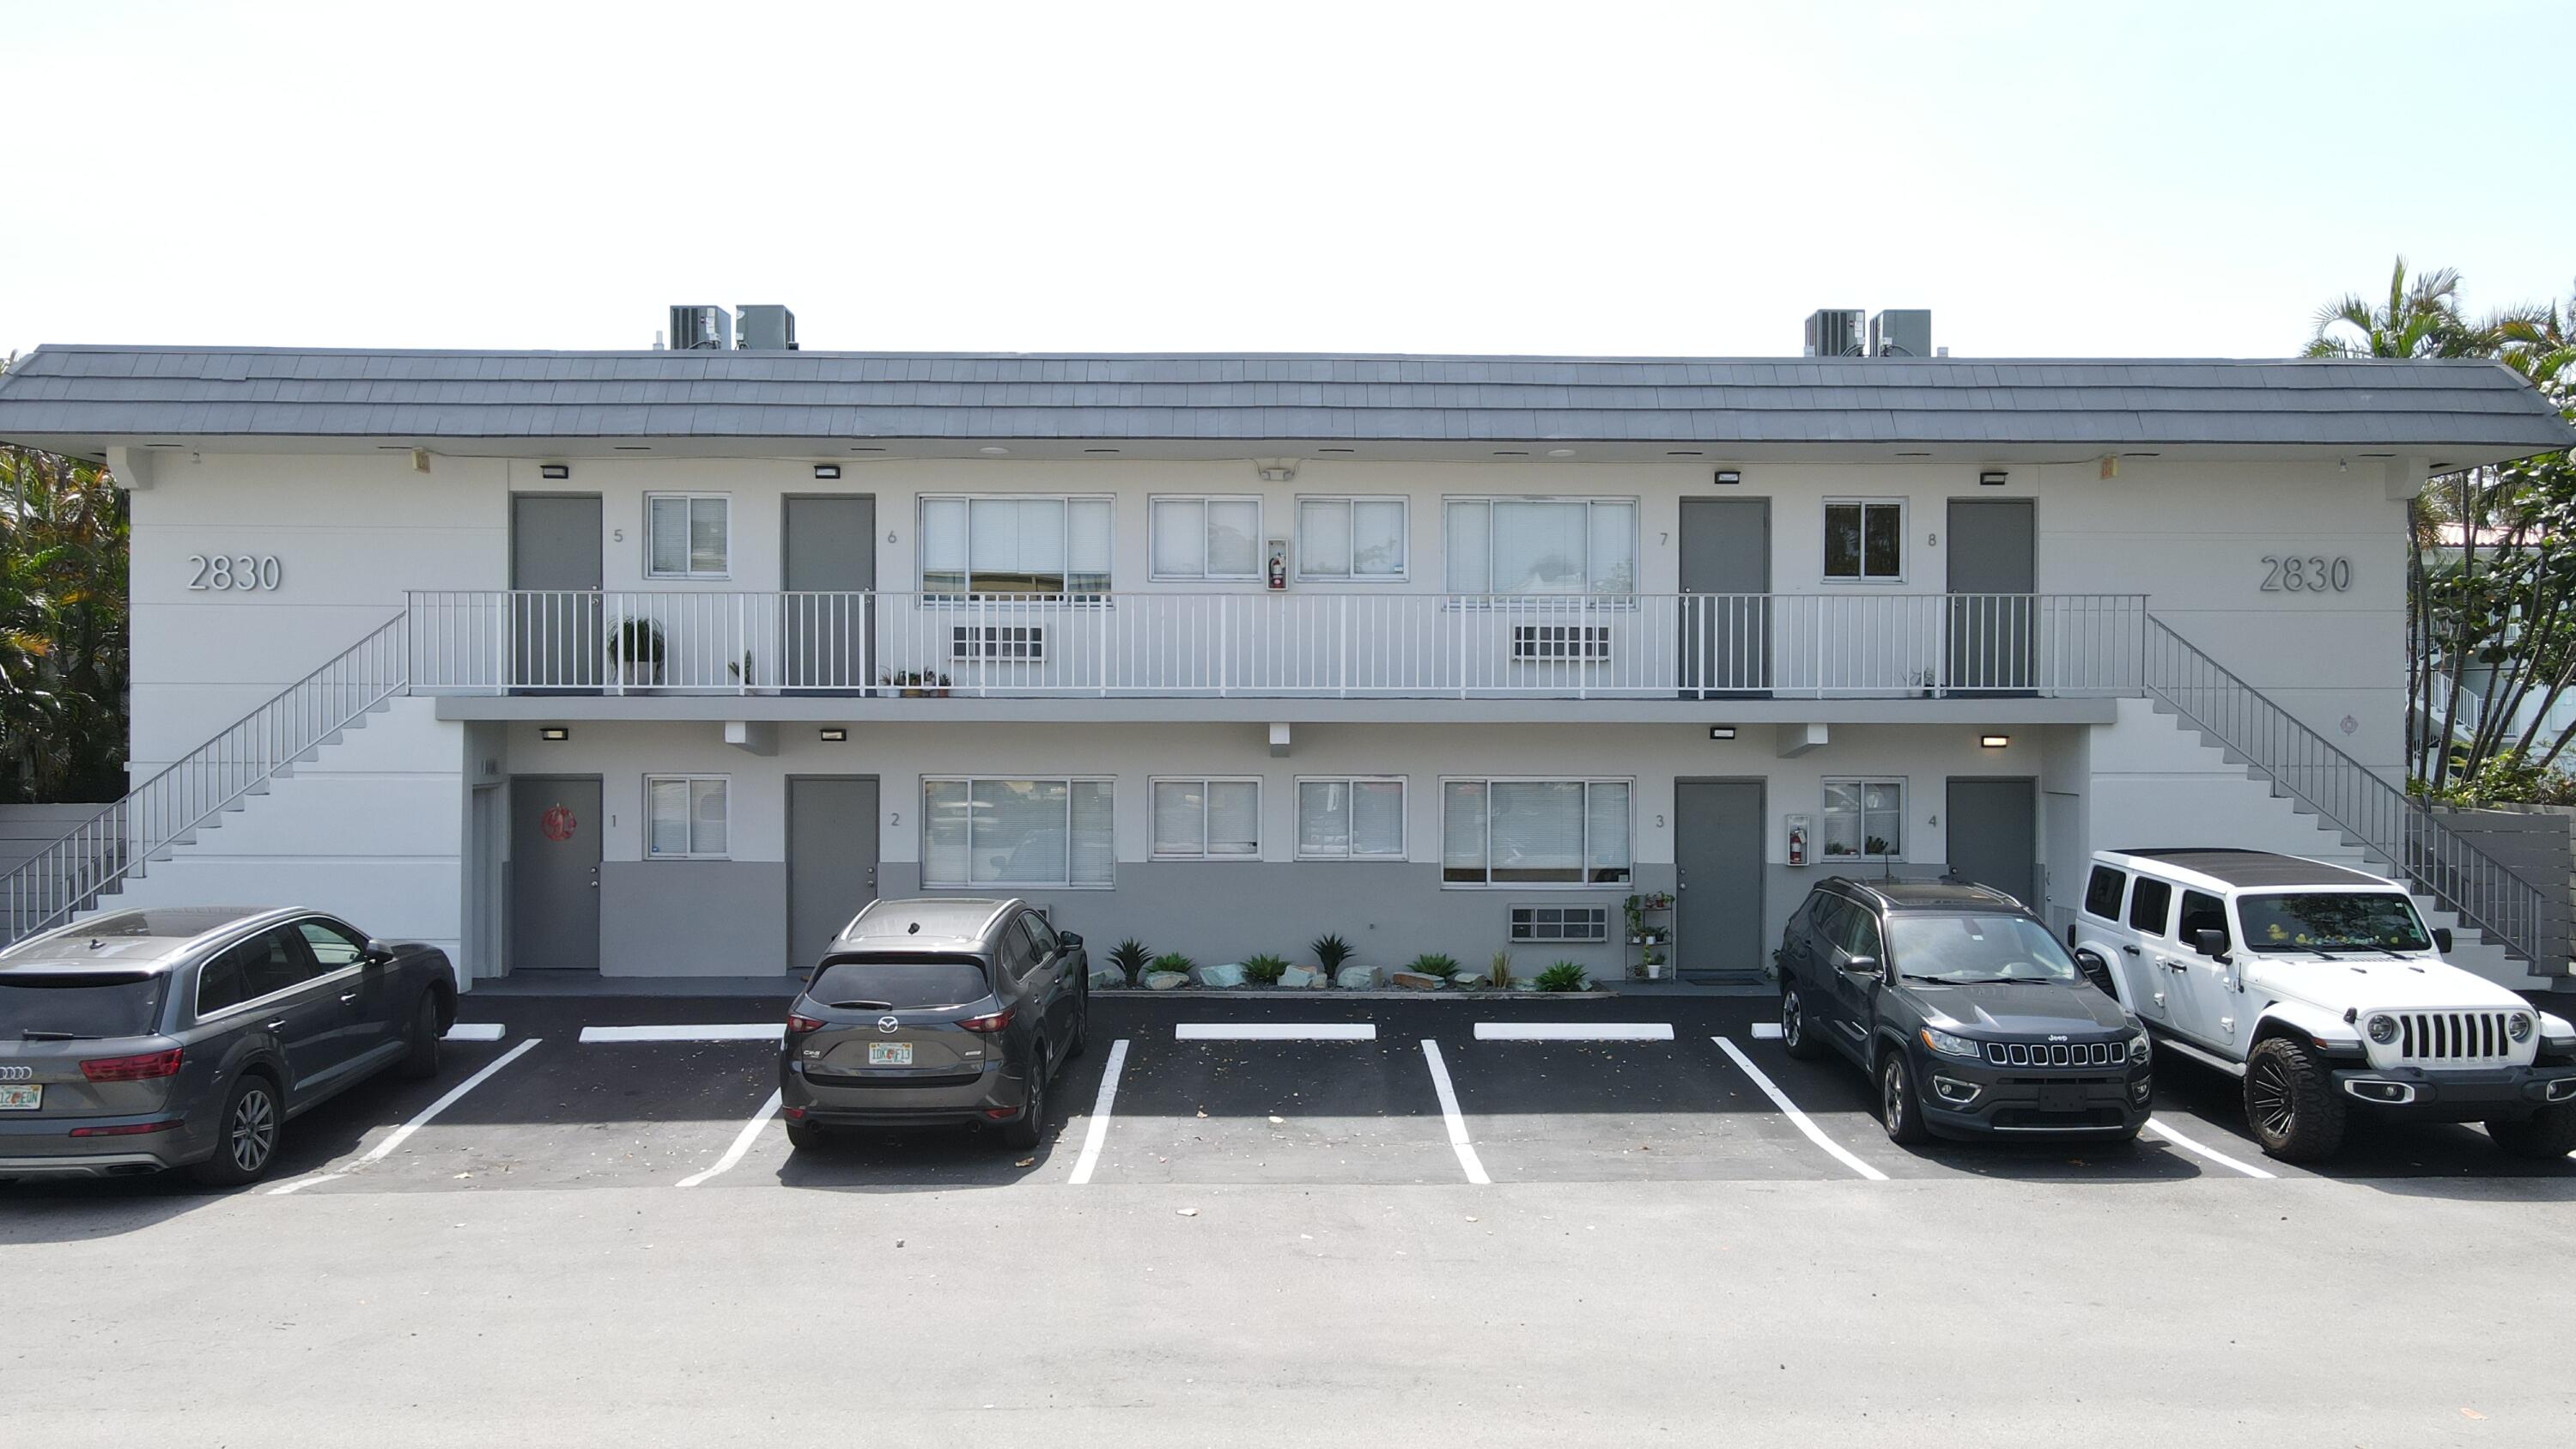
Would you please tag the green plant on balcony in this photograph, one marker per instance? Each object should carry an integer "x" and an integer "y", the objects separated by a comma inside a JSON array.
[{"x": 635, "y": 645}]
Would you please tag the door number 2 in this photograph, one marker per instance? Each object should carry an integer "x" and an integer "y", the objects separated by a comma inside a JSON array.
[{"x": 235, "y": 573}]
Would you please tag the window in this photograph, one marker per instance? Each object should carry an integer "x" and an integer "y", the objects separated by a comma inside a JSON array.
[
  {"x": 978, "y": 832},
  {"x": 1020, "y": 545},
  {"x": 2201, "y": 912},
  {"x": 1207, "y": 819},
  {"x": 1865, "y": 541},
  {"x": 1534, "y": 832},
  {"x": 685, "y": 817},
  {"x": 1207, "y": 538},
  {"x": 264, "y": 965},
  {"x": 1542, "y": 545},
  {"x": 2102, "y": 893},
  {"x": 1856, "y": 932},
  {"x": 1354, "y": 818},
  {"x": 2331, "y": 921},
  {"x": 1865, "y": 819},
  {"x": 1041, "y": 935},
  {"x": 1560, "y": 923},
  {"x": 1013, "y": 952},
  {"x": 1350, "y": 540},
  {"x": 2150, "y": 906},
  {"x": 333, "y": 946},
  {"x": 902, "y": 983},
  {"x": 688, "y": 535}
]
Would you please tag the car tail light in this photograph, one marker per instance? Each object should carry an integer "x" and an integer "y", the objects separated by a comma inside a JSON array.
[
  {"x": 998, "y": 1021},
  {"x": 134, "y": 1069},
  {"x": 136, "y": 1130},
  {"x": 803, "y": 1023},
  {"x": 793, "y": 1114}
]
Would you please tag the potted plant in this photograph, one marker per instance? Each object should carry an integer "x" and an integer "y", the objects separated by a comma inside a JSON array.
[
  {"x": 1650, "y": 964},
  {"x": 906, "y": 680},
  {"x": 1639, "y": 933},
  {"x": 635, "y": 644},
  {"x": 938, "y": 685},
  {"x": 741, "y": 672}
]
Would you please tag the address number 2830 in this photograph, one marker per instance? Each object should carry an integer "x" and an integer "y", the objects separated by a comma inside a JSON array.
[
  {"x": 234, "y": 573},
  {"x": 2314, "y": 574}
]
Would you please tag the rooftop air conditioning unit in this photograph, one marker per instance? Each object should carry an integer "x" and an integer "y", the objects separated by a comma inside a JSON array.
[
  {"x": 1836, "y": 332},
  {"x": 766, "y": 327},
  {"x": 701, "y": 329},
  {"x": 1901, "y": 332}
]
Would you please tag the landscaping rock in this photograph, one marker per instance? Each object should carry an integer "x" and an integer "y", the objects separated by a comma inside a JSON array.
[
  {"x": 1468, "y": 980},
  {"x": 1220, "y": 977},
  {"x": 1359, "y": 978},
  {"x": 1415, "y": 981},
  {"x": 1165, "y": 980},
  {"x": 1105, "y": 976},
  {"x": 1299, "y": 978}
]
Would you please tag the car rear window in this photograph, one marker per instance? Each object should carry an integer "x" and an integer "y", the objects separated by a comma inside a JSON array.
[
  {"x": 2102, "y": 893},
  {"x": 78, "y": 1004},
  {"x": 901, "y": 983}
]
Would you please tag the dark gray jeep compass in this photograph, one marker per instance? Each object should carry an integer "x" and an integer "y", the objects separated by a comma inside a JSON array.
[{"x": 1967, "y": 1013}]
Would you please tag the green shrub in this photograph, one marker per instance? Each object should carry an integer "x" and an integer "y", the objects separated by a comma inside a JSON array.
[
  {"x": 1130, "y": 956},
  {"x": 1498, "y": 972},
  {"x": 1170, "y": 961},
  {"x": 1265, "y": 968},
  {"x": 1432, "y": 963},
  {"x": 1330, "y": 951},
  {"x": 1564, "y": 976}
]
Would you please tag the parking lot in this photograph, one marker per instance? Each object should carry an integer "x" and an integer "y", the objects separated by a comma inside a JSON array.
[{"x": 577, "y": 1093}]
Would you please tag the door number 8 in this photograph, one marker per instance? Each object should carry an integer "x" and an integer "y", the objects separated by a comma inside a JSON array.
[
  {"x": 235, "y": 573},
  {"x": 2311, "y": 575}
]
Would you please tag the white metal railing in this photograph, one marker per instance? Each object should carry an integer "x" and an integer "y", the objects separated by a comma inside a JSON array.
[
  {"x": 1305, "y": 644},
  {"x": 120, "y": 841}
]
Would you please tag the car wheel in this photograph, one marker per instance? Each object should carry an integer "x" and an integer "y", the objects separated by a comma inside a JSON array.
[
  {"x": 245, "y": 1135},
  {"x": 1898, "y": 1106},
  {"x": 422, "y": 1063},
  {"x": 1030, "y": 1125},
  {"x": 1797, "y": 1038},
  {"x": 1081, "y": 1036},
  {"x": 804, "y": 1136},
  {"x": 2291, "y": 1103},
  {"x": 2545, "y": 1135}
]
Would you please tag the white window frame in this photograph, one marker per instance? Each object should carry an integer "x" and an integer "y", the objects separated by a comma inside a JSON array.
[
  {"x": 1824, "y": 541},
  {"x": 921, "y": 836},
  {"x": 1904, "y": 821},
  {"x": 1153, "y": 515},
  {"x": 1351, "y": 784},
  {"x": 1155, "y": 847},
  {"x": 1489, "y": 782},
  {"x": 1403, "y": 533},
  {"x": 1636, "y": 542},
  {"x": 1071, "y": 595},
  {"x": 692, "y": 781},
  {"x": 688, "y": 525}
]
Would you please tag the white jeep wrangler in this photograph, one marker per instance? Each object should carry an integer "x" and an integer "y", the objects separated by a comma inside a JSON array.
[{"x": 2321, "y": 989}]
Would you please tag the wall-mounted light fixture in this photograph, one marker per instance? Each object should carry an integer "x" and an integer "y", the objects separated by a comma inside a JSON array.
[
  {"x": 554, "y": 733},
  {"x": 1994, "y": 742},
  {"x": 554, "y": 472},
  {"x": 1721, "y": 732},
  {"x": 1992, "y": 478},
  {"x": 834, "y": 734},
  {"x": 1728, "y": 477},
  {"x": 827, "y": 470}
]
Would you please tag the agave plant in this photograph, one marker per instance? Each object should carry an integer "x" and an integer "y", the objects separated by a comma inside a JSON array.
[
  {"x": 1130, "y": 956},
  {"x": 1330, "y": 951}
]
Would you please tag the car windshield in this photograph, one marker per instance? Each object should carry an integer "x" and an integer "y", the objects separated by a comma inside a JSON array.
[
  {"x": 1961, "y": 949},
  {"x": 900, "y": 983},
  {"x": 2332, "y": 921},
  {"x": 72, "y": 1006}
]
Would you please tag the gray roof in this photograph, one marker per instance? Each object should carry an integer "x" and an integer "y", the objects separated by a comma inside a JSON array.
[{"x": 118, "y": 393}]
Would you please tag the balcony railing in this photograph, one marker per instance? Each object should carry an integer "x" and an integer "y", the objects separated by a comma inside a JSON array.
[{"x": 1289, "y": 645}]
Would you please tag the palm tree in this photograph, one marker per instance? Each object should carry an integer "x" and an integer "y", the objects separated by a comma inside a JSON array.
[{"x": 63, "y": 636}]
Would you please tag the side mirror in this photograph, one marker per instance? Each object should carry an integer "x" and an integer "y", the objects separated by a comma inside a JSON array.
[
  {"x": 1861, "y": 965},
  {"x": 2442, "y": 939},
  {"x": 2097, "y": 971},
  {"x": 377, "y": 953},
  {"x": 2209, "y": 942},
  {"x": 1069, "y": 940}
]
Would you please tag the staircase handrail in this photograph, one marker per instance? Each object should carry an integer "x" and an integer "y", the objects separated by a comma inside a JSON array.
[
  {"x": 2446, "y": 865},
  {"x": 95, "y": 856}
]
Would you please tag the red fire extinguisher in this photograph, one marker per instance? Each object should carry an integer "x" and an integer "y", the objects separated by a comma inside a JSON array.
[
  {"x": 1278, "y": 564},
  {"x": 1797, "y": 842}
]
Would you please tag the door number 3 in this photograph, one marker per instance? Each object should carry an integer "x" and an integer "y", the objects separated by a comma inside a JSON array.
[{"x": 235, "y": 573}]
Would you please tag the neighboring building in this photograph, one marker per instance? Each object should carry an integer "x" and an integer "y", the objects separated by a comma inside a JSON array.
[{"x": 661, "y": 663}]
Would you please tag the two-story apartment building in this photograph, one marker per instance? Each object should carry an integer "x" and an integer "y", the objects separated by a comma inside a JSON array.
[{"x": 662, "y": 663}]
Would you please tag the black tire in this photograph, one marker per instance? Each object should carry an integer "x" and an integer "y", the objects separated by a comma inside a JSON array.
[
  {"x": 421, "y": 1063},
  {"x": 1026, "y": 1129},
  {"x": 246, "y": 1134},
  {"x": 804, "y": 1136},
  {"x": 2545, "y": 1136},
  {"x": 1797, "y": 1032},
  {"x": 1081, "y": 1037},
  {"x": 1900, "y": 1109},
  {"x": 2291, "y": 1103}
]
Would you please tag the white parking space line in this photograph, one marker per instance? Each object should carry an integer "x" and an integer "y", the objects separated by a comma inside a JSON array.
[
  {"x": 1275, "y": 1031},
  {"x": 475, "y": 1031},
  {"x": 742, "y": 1141},
  {"x": 1449, "y": 1109},
  {"x": 1766, "y": 1031},
  {"x": 718, "y": 1031},
  {"x": 1797, "y": 1118},
  {"x": 1574, "y": 1031},
  {"x": 1098, "y": 1131},
  {"x": 2194, "y": 1148},
  {"x": 403, "y": 1133}
]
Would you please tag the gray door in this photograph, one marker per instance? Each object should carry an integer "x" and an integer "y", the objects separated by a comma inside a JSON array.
[
  {"x": 554, "y": 873},
  {"x": 1717, "y": 855},
  {"x": 831, "y": 859},
  {"x": 1994, "y": 835},
  {"x": 829, "y": 561},
  {"x": 1994, "y": 571},
  {"x": 1725, "y": 628},
  {"x": 556, "y": 626}
]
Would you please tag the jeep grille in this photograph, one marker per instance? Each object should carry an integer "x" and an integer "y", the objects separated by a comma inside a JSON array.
[
  {"x": 2056, "y": 1054},
  {"x": 2453, "y": 1036}
]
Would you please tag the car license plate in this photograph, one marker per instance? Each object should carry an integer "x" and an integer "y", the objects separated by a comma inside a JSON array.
[
  {"x": 2061, "y": 1097},
  {"x": 21, "y": 1099},
  {"x": 889, "y": 1054}
]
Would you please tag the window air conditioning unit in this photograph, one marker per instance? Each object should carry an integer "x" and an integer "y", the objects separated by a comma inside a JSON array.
[
  {"x": 1012, "y": 643},
  {"x": 1553, "y": 642},
  {"x": 1837, "y": 332},
  {"x": 701, "y": 329}
]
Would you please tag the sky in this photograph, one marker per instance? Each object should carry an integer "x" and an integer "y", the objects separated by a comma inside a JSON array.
[{"x": 2105, "y": 178}]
